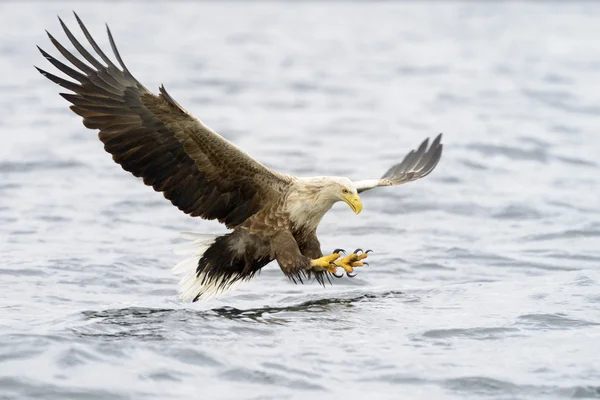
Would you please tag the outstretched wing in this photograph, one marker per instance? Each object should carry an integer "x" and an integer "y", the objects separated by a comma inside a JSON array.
[
  {"x": 416, "y": 165},
  {"x": 154, "y": 138}
]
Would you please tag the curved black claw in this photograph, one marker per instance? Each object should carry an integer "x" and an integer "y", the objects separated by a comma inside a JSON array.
[
  {"x": 349, "y": 275},
  {"x": 357, "y": 250},
  {"x": 365, "y": 264},
  {"x": 338, "y": 251},
  {"x": 368, "y": 251},
  {"x": 338, "y": 276}
]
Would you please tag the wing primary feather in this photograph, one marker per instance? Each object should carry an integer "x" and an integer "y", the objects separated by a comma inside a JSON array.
[
  {"x": 112, "y": 73},
  {"x": 116, "y": 53},
  {"x": 437, "y": 141},
  {"x": 97, "y": 64},
  {"x": 421, "y": 150},
  {"x": 390, "y": 172},
  {"x": 59, "y": 81},
  {"x": 424, "y": 158},
  {"x": 423, "y": 147},
  {"x": 82, "y": 99},
  {"x": 434, "y": 161},
  {"x": 69, "y": 56},
  {"x": 407, "y": 161},
  {"x": 62, "y": 67},
  {"x": 415, "y": 165},
  {"x": 410, "y": 161},
  {"x": 435, "y": 152},
  {"x": 73, "y": 86},
  {"x": 91, "y": 40},
  {"x": 94, "y": 77}
]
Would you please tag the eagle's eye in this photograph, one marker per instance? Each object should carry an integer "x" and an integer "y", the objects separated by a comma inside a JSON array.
[{"x": 345, "y": 191}]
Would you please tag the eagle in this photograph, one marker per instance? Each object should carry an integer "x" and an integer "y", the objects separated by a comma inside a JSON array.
[{"x": 269, "y": 215}]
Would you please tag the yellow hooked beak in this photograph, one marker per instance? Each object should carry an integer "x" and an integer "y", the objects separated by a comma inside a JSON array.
[{"x": 353, "y": 201}]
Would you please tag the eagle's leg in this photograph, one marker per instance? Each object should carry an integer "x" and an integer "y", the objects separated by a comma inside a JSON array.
[
  {"x": 294, "y": 264},
  {"x": 352, "y": 261},
  {"x": 311, "y": 248}
]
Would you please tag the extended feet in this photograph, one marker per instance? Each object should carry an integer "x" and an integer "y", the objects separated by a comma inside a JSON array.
[
  {"x": 331, "y": 262},
  {"x": 352, "y": 261}
]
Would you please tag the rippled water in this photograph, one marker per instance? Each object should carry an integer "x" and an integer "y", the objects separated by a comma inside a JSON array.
[{"x": 485, "y": 281}]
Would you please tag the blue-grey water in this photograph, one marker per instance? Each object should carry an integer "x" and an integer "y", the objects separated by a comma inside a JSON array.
[{"x": 485, "y": 281}]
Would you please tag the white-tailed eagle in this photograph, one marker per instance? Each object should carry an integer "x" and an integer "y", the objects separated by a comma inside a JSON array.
[{"x": 273, "y": 216}]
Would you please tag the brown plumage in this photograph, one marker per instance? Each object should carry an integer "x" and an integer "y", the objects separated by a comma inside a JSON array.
[{"x": 273, "y": 216}]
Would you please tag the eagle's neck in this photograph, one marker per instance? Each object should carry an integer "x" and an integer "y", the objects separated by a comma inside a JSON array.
[{"x": 307, "y": 202}]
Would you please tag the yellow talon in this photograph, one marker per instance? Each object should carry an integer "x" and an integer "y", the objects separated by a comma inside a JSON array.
[
  {"x": 351, "y": 262},
  {"x": 325, "y": 262}
]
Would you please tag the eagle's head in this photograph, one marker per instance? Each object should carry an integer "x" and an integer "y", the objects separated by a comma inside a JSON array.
[
  {"x": 343, "y": 189},
  {"x": 327, "y": 190},
  {"x": 310, "y": 198}
]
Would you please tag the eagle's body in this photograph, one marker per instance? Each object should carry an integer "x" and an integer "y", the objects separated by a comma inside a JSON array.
[
  {"x": 272, "y": 216},
  {"x": 273, "y": 233}
]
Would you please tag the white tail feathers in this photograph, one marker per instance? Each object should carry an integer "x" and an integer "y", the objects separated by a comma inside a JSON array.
[
  {"x": 200, "y": 242},
  {"x": 191, "y": 286}
]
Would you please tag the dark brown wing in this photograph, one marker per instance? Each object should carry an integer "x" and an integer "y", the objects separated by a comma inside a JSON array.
[
  {"x": 154, "y": 138},
  {"x": 416, "y": 165}
]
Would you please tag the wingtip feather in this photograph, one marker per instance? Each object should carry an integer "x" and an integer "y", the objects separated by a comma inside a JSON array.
[
  {"x": 41, "y": 71},
  {"x": 79, "y": 21}
]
